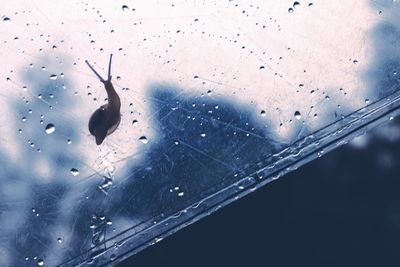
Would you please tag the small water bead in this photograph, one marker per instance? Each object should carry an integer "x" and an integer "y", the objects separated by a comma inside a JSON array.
[
  {"x": 296, "y": 4},
  {"x": 74, "y": 171},
  {"x": 50, "y": 128},
  {"x": 143, "y": 139},
  {"x": 108, "y": 221},
  {"x": 6, "y": 19},
  {"x": 203, "y": 135},
  {"x": 53, "y": 77},
  {"x": 59, "y": 240},
  {"x": 290, "y": 10},
  {"x": 135, "y": 122},
  {"x": 125, "y": 8},
  {"x": 40, "y": 262},
  {"x": 367, "y": 101},
  {"x": 23, "y": 119},
  {"x": 297, "y": 115},
  {"x": 69, "y": 141},
  {"x": 263, "y": 113}
]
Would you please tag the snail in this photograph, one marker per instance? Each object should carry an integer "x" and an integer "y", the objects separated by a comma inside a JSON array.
[{"x": 105, "y": 120}]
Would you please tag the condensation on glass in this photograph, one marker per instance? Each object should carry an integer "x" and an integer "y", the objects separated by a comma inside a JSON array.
[{"x": 217, "y": 99}]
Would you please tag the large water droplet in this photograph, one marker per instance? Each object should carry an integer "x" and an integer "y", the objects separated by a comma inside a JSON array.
[
  {"x": 74, "y": 171},
  {"x": 50, "y": 128},
  {"x": 297, "y": 115},
  {"x": 143, "y": 139}
]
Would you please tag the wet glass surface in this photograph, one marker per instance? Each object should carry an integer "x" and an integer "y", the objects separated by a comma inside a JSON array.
[{"x": 217, "y": 99}]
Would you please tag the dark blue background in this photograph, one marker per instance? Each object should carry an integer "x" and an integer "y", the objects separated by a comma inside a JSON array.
[{"x": 340, "y": 210}]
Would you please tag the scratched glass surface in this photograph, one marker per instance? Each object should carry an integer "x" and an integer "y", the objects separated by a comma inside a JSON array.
[{"x": 217, "y": 99}]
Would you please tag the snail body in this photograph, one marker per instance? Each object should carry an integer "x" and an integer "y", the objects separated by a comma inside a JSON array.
[{"x": 105, "y": 120}]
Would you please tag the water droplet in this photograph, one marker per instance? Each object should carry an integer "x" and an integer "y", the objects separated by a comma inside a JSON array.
[
  {"x": 290, "y": 10},
  {"x": 6, "y": 19},
  {"x": 143, "y": 139},
  {"x": 40, "y": 262},
  {"x": 203, "y": 135},
  {"x": 23, "y": 119},
  {"x": 296, "y": 4},
  {"x": 263, "y": 113},
  {"x": 74, "y": 171},
  {"x": 181, "y": 194},
  {"x": 108, "y": 221},
  {"x": 135, "y": 122},
  {"x": 297, "y": 115},
  {"x": 59, "y": 240},
  {"x": 195, "y": 77},
  {"x": 50, "y": 128},
  {"x": 367, "y": 101},
  {"x": 262, "y": 67},
  {"x": 125, "y": 8},
  {"x": 53, "y": 77}
]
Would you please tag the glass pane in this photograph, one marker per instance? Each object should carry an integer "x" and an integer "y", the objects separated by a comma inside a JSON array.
[{"x": 217, "y": 99}]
